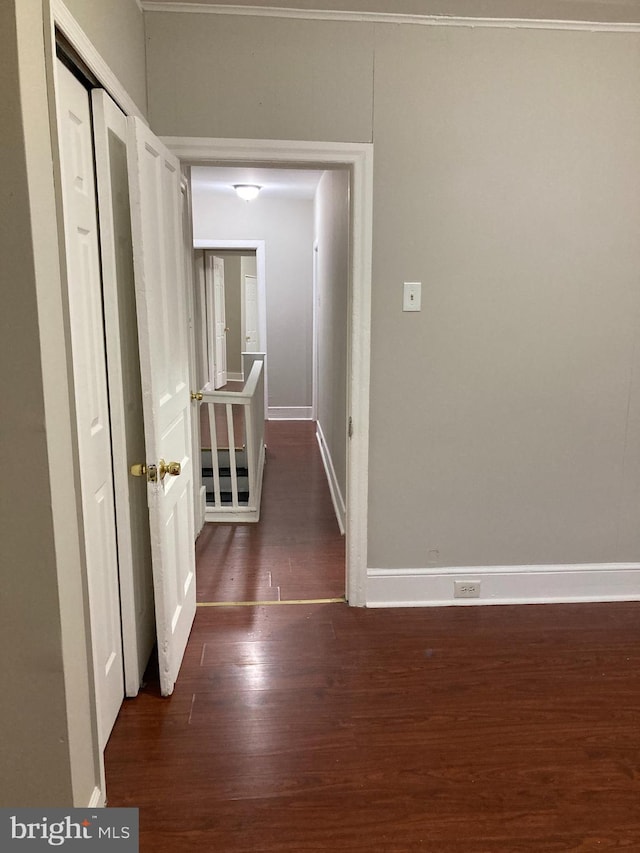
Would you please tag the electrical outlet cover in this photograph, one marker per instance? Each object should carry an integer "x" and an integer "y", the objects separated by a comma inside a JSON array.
[{"x": 466, "y": 589}]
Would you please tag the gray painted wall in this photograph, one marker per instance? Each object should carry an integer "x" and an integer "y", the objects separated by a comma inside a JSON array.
[
  {"x": 286, "y": 226},
  {"x": 290, "y": 77},
  {"x": 116, "y": 28},
  {"x": 504, "y": 416},
  {"x": 332, "y": 234}
]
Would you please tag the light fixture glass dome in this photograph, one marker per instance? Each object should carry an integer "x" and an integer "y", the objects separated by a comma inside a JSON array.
[{"x": 247, "y": 191}]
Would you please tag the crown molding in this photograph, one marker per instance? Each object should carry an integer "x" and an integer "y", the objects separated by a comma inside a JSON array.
[{"x": 389, "y": 18}]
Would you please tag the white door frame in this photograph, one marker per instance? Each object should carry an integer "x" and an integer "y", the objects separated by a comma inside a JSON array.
[
  {"x": 314, "y": 348},
  {"x": 359, "y": 158}
]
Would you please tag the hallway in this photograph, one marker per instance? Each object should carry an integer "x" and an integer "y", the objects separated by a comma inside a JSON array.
[{"x": 296, "y": 550}]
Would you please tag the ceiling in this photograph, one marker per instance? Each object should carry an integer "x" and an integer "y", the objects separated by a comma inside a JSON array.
[{"x": 275, "y": 183}]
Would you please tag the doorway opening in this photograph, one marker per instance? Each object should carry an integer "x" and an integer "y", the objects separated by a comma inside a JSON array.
[
  {"x": 358, "y": 159},
  {"x": 297, "y": 232}
]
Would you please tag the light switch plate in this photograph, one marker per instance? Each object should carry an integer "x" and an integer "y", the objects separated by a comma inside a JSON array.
[{"x": 412, "y": 298}]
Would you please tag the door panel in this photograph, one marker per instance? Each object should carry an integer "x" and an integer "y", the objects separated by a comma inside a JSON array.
[
  {"x": 90, "y": 384},
  {"x": 250, "y": 313},
  {"x": 216, "y": 318},
  {"x": 125, "y": 389},
  {"x": 154, "y": 184}
]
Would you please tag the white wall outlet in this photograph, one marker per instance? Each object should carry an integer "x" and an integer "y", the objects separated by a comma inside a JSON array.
[
  {"x": 412, "y": 298},
  {"x": 466, "y": 589}
]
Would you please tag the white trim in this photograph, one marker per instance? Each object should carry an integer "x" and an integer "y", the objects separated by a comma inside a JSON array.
[
  {"x": 97, "y": 799},
  {"x": 289, "y": 413},
  {"x": 66, "y": 23},
  {"x": 586, "y": 582},
  {"x": 392, "y": 17},
  {"x": 359, "y": 157},
  {"x": 334, "y": 487},
  {"x": 229, "y": 515},
  {"x": 314, "y": 320},
  {"x": 235, "y": 377},
  {"x": 204, "y": 151}
]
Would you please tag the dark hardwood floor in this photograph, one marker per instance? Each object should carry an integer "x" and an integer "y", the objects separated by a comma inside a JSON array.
[
  {"x": 296, "y": 551},
  {"x": 329, "y": 728}
]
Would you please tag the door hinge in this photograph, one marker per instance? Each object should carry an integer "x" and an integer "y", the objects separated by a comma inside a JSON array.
[{"x": 350, "y": 430}]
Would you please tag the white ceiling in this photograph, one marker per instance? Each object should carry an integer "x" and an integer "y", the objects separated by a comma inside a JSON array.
[{"x": 275, "y": 183}]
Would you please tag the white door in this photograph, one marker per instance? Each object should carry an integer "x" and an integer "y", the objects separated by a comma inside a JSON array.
[
  {"x": 125, "y": 390},
  {"x": 90, "y": 383},
  {"x": 203, "y": 375},
  {"x": 164, "y": 361},
  {"x": 250, "y": 313},
  {"x": 216, "y": 319}
]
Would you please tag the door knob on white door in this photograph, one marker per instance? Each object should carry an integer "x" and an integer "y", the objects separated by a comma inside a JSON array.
[{"x": 173, "y": 468}]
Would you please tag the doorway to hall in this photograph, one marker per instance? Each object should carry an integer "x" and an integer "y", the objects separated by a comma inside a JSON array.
[{"x": 301, "y": 222}]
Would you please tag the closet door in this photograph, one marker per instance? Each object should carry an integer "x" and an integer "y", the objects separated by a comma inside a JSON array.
[
  {"x": 125, "y": 388},
  {"x": 91, "y": 399}
]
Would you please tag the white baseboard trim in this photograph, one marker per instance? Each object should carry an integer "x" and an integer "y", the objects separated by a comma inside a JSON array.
[
  {"x": 228, "y": 515},
  {"x": 235, "y": 377},
  {"x": 97, "y": 799},
  {"x": 334, "y": 487},
  {"x": 587, "y": 582},
  {"x": 290, "y": 413}
]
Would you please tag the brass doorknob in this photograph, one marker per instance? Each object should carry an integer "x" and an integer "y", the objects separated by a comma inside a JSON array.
[
  {"x": 140, "y": 469},
  {"x": 173, "y": 468},
  {"x": 196, "y": 395}
]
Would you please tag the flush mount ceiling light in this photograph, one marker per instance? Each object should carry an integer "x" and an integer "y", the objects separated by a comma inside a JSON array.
[{"x": 247, "y": 191}]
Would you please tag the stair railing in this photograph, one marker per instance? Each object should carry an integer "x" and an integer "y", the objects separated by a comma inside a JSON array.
[{"x": 242, "y": 413}]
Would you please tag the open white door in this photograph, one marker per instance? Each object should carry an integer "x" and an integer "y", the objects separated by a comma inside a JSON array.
[
  {"x": 250, "y": 313},
  {"x": 216, "y": 319},
  {"x": 154, "y": 186},
  {"x": 125, "y": 391}
]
